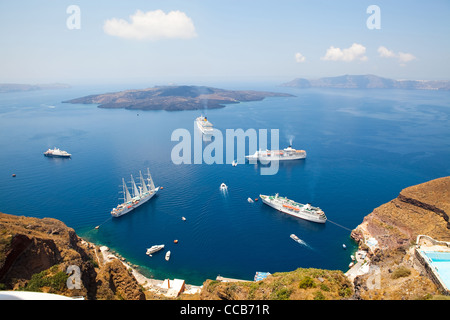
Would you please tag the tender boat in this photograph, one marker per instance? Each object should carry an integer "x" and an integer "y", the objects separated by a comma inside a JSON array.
[{"x": 167, "y": 255}]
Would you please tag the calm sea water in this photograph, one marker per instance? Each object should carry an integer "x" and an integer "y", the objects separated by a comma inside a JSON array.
[{"x": 363, "y": 147}]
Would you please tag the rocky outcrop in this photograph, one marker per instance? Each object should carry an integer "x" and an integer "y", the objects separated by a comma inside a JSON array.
[
  {"x": 31, "y": 246},
  {"x": 420, "y": 209},
  {"x": 114, "y": 280},
  {"x": 300, "y": 284}
]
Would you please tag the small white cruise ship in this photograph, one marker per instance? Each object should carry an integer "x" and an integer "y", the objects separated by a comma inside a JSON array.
[
  {"x": 57, "y": 153},
  {"x": 204, "y": 125},
  {"x": 154, "y": 249},
  {"x": 288, "y": 153},
  {"x": 302, "y": 211},
  {"x": 145, "y": 192}
]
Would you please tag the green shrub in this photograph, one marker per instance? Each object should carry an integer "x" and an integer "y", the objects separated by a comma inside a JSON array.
[
  {"x": 56, "y": 282},
  {"x": 307, "y": 282},
  {"x": 281, "y": 294},
  {"x": 324, "y": 287},
  {"x": 319, "y": 296},
  {"x": 345, "y": 292}
]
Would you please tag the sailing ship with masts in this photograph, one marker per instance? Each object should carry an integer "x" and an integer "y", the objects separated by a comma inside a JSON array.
[{"x": 140, "y": 194}]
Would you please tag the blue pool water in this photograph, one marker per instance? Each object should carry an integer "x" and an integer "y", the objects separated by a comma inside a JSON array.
[
  {"x": 441, "y": 261},
  {"x": 363, "y": 147}
]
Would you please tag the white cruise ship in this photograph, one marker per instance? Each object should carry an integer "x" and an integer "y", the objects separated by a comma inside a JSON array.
[
  {"x": 302, "y": 211},
  {"x": 204, "y": 125},
  {"x": 140, "y": 195},
  {"x": 288, "y": 153},
  {"x": 57, "y": 153}
]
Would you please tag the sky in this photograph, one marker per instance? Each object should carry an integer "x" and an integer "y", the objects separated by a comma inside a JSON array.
[{"x": 198, "y": 41}]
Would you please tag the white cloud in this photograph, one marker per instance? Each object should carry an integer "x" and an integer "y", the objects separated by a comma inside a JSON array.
[
  {"x": 401, "y": 56},
  {"x": 152, "y": 25},
  {"x": 405, "y": 57},
  {"x": 385, "y": 52},
  {"x": 299, "y": 57},
  {"x": 355, "y": 52}
]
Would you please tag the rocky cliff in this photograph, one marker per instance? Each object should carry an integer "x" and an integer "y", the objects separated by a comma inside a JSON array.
[
  {"x": 39, "y": 254},
  {"x": 420, "y": 209}
]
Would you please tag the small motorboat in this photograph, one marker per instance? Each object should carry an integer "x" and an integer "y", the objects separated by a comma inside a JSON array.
[
  {"x": 234, "y": 163},
  {"x": 183, "y": 218},
  {"x": 167, "y": 255},
  {"x": 344, "y": 246},
  {"x": 223, "y": 186},
  {"x": 250, "y": 200}
]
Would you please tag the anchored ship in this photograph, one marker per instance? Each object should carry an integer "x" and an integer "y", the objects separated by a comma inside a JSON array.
[
  {"x": 302, "y": 211},
  {"x": 154, "y": 249},
  {"x": 288, "y": 153},
  {"x": 140, "y": 195},
  {"x": 204, "y": 125},
  {"x": 57, "y": 153}
]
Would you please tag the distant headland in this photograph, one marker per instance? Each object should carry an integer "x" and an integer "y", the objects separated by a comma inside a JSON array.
[
  {"x": 18, "y": 87},
  {"x": 174, "y": 98},
  {"x": 368, "y": 81}
]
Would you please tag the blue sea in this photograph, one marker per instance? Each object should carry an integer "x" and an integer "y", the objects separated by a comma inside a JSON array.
[{"x": 363, "y": 146}]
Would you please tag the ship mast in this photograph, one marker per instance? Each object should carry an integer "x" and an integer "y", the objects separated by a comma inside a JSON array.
[
  {"x": 127, "y": 196},
  {"x": 151, "y": 185},
  {"x": 142, "y": 181},
  {"x": 134, "y": 188}
]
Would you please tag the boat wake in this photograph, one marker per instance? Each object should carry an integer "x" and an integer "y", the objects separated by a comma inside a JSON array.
[
  {"x": 303, "y": 243},
  {"x": 224, "y": 189}
]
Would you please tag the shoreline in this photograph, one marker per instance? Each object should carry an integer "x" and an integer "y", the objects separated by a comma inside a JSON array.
[{"x": 156, "y": 286}]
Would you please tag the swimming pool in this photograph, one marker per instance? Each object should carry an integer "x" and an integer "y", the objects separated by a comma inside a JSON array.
[{"x": 441, "y": 263}]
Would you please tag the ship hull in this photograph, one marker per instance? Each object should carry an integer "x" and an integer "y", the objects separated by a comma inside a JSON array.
[
  {"x": 279, "y": 206},
  {"x": 276, "y": 158},
  {"x": 132, "y": 206},
  {"x": 278, "y": 155},
  {"x": 57, "y": 155}
]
